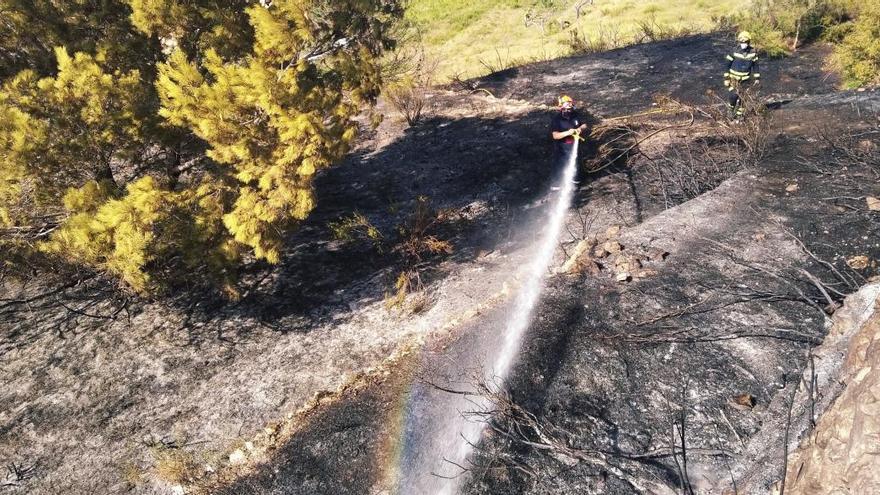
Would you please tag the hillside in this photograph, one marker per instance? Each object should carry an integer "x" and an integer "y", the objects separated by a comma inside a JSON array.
[
  {"x": 308, "y": 384},
  {"x": 474, "y": 38}
]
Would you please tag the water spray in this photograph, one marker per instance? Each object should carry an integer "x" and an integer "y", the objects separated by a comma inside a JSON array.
[{"x": 447, "y": 437}]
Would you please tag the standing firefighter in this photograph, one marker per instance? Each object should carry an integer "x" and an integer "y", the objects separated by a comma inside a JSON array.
[
  {"x": 565, "y": 127},
  {"x": 742, "y": 67}
]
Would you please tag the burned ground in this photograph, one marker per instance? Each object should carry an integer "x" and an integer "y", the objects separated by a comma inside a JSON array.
[
  {"x": 96, "y": 381},
  {"x": 626, "y": 80}
]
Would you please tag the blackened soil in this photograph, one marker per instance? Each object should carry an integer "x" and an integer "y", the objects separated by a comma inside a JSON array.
[
  {"x": 93, "y": 379},
  {"x": 626, "y": 367}
]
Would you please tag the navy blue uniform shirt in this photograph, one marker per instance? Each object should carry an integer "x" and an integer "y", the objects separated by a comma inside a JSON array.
[{"x": 562, "y": 123}]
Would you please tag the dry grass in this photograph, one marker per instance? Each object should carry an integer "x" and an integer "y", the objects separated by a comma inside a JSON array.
[
  {"x": 419, "y": 240},
  {"x": 132, "y": 474},
  {"x": 175, "y": 465},
  {"x": 465, "y": 35},
  {"x": 410, "y": 78}
]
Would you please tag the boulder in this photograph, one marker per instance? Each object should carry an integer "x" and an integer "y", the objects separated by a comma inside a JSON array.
[
  {"x": 840, "y": 456},
  {"x": 612, "y": 247},
  {"x": 612, "y": 232}
]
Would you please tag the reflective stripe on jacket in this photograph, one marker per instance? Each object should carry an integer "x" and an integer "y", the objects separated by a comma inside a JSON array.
[{"x": 742, "y": 65}]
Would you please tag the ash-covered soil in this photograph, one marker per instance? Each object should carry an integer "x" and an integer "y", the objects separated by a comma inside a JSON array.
[
  {"x": 732, "y": 313},
  {"x": 99, "y": 387}
]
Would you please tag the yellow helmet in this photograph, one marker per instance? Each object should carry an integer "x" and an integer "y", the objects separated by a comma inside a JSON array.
[
  {"x": 744, "y": 37},
  {"x": 565, "y": 101}
]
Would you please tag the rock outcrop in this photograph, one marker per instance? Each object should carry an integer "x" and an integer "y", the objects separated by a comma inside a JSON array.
[{"x": 842, "y": 454}]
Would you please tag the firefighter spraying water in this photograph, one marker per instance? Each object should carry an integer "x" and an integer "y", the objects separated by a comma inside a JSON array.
[{"x": 566, "y": 127}]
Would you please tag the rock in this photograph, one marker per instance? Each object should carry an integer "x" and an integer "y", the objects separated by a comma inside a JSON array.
[
  {"x": 635, "y": 263},
  {"x": 760, "y": 236},
  {"x": 612, "y": 232},
  {"x": 578, "y": 258},
  {"x": 646, "y": 273},
  {"x": 840, "y": 455},
  {"x": 612, "y": 247},
  {"x": 792, "y": 188},
  {"x": 858, "y": 262},
  {"x": 743, "y": 402},
  {"x": 592, "y": 268},
  {"x": 873, "y": 203},
  {"x": 627, "y": 264},
  {"x": 600, "y": 252},
  {"x": 867, "y": 146},
  {"x": 622, "y": 277},
  {"x": 657, "y": 254},
  {"x": 237, "y": 457}
]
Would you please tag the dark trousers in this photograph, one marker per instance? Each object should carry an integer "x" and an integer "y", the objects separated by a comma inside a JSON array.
[
  {"x": 734, "y": 101},
  {"x": 562, "y": 155}
]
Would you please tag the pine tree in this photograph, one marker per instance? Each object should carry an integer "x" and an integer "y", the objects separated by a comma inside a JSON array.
[
  {"x": 186, "y": 133},
  {"x": 32, "y": 29},
  {"x": 859, "y": 52}
]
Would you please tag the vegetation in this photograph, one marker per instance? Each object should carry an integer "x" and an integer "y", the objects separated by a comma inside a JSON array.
[
  {"x": 858, "y": 52},
  {"x": 409, "y": 75},
  {"x": 473, "y": 38},
  {"x": 469, "y": 38},
  {"x": 421, "y": 237},
  {"x": 357, "y": 227},
  {"x": 140, "y": 137},
  {"x": 780, "y": 27},
  {"x": 146, "y": 138},
  {"x": 175, "y": 465}
]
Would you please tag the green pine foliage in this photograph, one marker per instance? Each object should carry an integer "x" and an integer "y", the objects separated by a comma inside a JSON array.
[
  {"x": 31, "y": 30},
  {"x": 858, "y": 52},
  {"x": 146, "y": 138}
]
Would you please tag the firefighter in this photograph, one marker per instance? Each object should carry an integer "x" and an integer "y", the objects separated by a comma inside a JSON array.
[
  {"x": 742, "y": 69},
  {"x": 566, "y": 126}
]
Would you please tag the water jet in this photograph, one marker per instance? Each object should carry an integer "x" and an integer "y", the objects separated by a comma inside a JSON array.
[{"x": 438, "y": 436}]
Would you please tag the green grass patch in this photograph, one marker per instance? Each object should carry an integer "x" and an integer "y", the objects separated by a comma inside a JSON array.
[{"x": 470, "y": 37}]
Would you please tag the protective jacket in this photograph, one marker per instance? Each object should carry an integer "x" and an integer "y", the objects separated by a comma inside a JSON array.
[
  {"x": 561, "y": 123},
  {"x": 743, "y": 65}
]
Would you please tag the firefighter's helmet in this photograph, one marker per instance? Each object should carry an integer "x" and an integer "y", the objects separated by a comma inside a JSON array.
[
  {"x": 744, "y": 37},
  {"x": 565, "y": 102}
]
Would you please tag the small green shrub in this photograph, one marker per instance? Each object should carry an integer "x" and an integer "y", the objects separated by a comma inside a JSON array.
[
  {"x": 357, "y": 227},
  {"x": 766, "y": 37},
  {"x": 779, "y": 27},
  {"x": 858, "y": 53}
]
